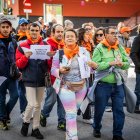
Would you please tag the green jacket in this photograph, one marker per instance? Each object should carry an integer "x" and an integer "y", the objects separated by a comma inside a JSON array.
[{"x": 103, "y": 57}]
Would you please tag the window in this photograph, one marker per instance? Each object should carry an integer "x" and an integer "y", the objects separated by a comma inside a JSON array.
[{"x": 53, "y": 11}]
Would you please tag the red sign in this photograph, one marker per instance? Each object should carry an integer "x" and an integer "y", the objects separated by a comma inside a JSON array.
[
  {"x": 27, "y": 3},
  {"x": 27, "y": 6}
]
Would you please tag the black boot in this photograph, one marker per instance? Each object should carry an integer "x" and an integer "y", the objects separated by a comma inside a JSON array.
[
  {"x": 24, "y": 129},
  {"x": 97, "y": 133},
  {"x": 43, "y": 121},
  {"x": 137, "y": 110},
  {"x": 36, "y": 133},
  {"x": 115, "y": 137}
]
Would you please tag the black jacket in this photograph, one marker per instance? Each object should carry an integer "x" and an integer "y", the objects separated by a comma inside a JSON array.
[{"x": 135, "y": 53}]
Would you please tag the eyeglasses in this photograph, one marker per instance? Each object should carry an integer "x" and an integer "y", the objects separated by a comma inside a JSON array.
[
  {"x": 34, "y": 30},
  {"x": 97, "y": 35}
]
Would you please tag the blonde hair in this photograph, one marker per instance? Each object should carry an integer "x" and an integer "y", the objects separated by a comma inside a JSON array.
[{"x": 138, "y": 29}]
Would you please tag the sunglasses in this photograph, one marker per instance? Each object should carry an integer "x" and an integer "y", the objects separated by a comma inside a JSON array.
[
  {"x": 34, "y": 30},
  {"x": 99, "y": 35}
]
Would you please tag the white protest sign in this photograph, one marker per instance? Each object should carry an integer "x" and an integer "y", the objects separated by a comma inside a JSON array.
[{"x": 39, "y": 52}]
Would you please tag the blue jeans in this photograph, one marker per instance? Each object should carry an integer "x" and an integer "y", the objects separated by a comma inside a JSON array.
[
  {"x": 50, "y": 100},
  {"x": 22, "y": 97},
  {"x": 137, "y": 89},
  {"x": 5, "y": 109},
  {"x": 103, "y": 92}
]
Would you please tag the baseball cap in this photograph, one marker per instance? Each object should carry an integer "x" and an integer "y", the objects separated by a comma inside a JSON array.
[
  {"x": 5, "y": 20},
  {"x": 125, "y": 29},
  {"x": 23, "y": 20}
]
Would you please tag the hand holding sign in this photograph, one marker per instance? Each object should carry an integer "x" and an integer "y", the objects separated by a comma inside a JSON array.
[{"x": 51, "y": 54}]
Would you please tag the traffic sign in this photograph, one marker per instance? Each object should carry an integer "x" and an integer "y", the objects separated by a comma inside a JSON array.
[{"x": 27, "y": 6}]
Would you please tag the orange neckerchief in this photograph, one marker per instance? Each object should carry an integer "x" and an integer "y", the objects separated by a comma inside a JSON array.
[
  {"x": 109, "y": 46},
  {"x": 128, "y": 50},
  {"x": 59, "y": 44},
  {"x": 21, "y": 34},
  {"x": 70, "y": 53},
  {"x": 87, "y": 45},
  {"x": 1, "y": 36},
  {"x": 33, "y": 41}
]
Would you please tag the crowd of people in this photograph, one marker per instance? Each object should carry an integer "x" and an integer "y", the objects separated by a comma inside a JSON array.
[{"x": 76, "y": 57}]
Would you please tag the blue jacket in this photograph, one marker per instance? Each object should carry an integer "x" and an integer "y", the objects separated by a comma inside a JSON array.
[{"x": 7, "y": 56}]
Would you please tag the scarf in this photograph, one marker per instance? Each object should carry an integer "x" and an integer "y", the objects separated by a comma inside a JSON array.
[
  {"x": 70, "y": 53},
  {"x": 59, "y": 44},
  {"x": 1, "y": 36},
  {"x": 128, "y": 50},
  {"x": 115, "y": 46},
  {"x": 34, "y": 41},
  {"x": 87, "y": 45},
  {"x": 21, "y": 34}
]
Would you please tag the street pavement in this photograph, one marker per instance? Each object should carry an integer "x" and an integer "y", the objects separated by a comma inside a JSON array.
[{"x": 85, "y": 131}]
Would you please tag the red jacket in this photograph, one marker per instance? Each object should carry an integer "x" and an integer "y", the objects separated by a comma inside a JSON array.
[
  {"x": 54, "y": 47},
  {"x": 33, "y": 71}
]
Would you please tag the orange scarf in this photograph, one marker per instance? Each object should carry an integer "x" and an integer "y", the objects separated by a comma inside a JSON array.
[
  {"x": 59, "y": 44},
  {"x": 21, "y": 34},
  {"x": 87, "y": 45},
  {"x": 1, "y": 36},
  {"x": 115, "y": 46},
  {"x": 128, "y": 50},
  {"x": 70, "y": 53},
  {"x": 33, "y": 41}
]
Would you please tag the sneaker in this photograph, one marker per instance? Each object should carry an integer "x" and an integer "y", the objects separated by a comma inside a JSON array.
[
  {"x": 43, "y": 121},
  {"x": 88, "y": 121},
  {"x": 24, "y": 129},
  {"x": 115, "y": 137},
  {"x": 97, "y": 134},
  {"x": 108, "y": 109},
  {"x": 36, "y": 133},
  {"x": 61, "y": 126},
  {"x": 3, "y": 125}
]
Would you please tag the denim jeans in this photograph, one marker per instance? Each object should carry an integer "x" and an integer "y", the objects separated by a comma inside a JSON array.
[
  {"x": 22, "y": 97},
  {"x": 103, "y": 92},
  {"x": 50, "y": 100},
  {"x": 5, "y": 109},
  {"x": 137, "y": 89}
]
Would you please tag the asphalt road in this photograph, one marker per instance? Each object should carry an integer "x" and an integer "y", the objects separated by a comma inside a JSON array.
[{"x": 131, "y": 128}]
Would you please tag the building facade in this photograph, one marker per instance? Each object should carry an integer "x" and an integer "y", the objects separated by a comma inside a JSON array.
[{"x": 96, "y": 11}]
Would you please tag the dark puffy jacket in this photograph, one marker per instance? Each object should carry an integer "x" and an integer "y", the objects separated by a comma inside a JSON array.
[
  {"x": 33, "y": 71},
  {"x": 7, "y": 56},
  {"x": 135, "y": 53}
]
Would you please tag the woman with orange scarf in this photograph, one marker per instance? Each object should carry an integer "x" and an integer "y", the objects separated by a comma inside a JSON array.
[{"x": 72, "y": 85}]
